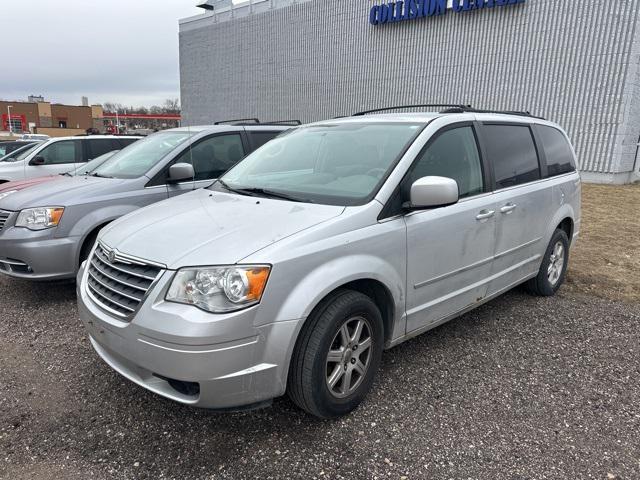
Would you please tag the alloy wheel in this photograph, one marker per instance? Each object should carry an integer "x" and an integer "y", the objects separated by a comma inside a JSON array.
[
  {"x": 556, "y": 264},
  {"x": 349, "y": 357}
]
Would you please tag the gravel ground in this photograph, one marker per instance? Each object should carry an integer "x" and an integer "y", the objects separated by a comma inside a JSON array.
[{"x": 521, "y": 388}]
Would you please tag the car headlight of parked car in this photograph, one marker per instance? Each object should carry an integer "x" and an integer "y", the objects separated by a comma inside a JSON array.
[
  {"x": 219, "y": 289},
  {"x": 4, "y": 194},
  {"x": 40, "y": 218}
]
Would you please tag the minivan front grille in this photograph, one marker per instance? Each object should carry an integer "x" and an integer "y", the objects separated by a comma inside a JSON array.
[
  {"x": 117, "y": 282},
  {"x": 4, "y": 216}
]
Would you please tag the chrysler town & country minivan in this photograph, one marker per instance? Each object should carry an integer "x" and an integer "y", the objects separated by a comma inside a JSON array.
[{"x": 336, "y": 240}]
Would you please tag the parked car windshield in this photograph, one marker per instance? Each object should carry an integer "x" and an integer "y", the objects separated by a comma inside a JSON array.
[
  {"x": 87, "y": 168},
  {"x": 9, "y": 147},
  {"x": 339, "y": 164},
  {"x": 20, "y": 154},
  {"x": 136, "y": 159}
]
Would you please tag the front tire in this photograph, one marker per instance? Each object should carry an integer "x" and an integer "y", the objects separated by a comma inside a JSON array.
[
  {"x": 337, "y": 355},
  {"x": 553, "y": 269},
  {"x": 87, "y": 246}
]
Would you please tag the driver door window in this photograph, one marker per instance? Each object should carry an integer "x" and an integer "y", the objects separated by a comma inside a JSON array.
[
  {"x": 453, "y": 154},
  {"x": 213, "y": 156},
  {"x": 62, "y": 152}
]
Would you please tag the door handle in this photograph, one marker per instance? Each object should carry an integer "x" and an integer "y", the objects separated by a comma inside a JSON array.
[
  {"x": 484, "y": 214},
  {"x": 508, "y": 208}
]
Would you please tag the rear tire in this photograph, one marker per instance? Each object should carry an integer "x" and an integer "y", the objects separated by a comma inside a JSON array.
[
  {"x": 553, "y": 269},
  {"x": 337, "y": 355}
]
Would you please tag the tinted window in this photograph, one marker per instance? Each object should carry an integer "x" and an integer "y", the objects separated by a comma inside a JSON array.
[
  {"x": 513, "y": 153},
  {"x": 100, "y": 146},
  {"x": 65, "y": 151},
  {"x": 453, "y": 154},
  {"x": 260, "y": 138},
  {"x": 126, "y": 141},
  {"x": 557, "y": 150},
  {"x": 213, "y": 156}
]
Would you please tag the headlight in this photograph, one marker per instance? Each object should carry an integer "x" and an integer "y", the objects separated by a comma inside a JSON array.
[
  {"x": 219, "y": 289},
  {"x": 39, "y": 218},
  {"x": 4, "y": 194}
]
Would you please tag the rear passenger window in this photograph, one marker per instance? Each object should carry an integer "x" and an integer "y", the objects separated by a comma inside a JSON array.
[
  {"x": 453, "y": 154},
  {"x": 557, "y": 150},
  {"x": 100, "y": 146},
  {"x": 65, "y": 151},
  {"x": 126, "y": 141},
  {"x": 513, "y": 154},
  {"x": 260, "y": 138}
]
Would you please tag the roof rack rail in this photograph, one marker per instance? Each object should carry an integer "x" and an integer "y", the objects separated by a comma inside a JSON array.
[
  {"x": 427, "y": 105},
  {"x": 238, "y": 121},
  {"x": 512, "y": 112},
  {"x": 283, "y": 122},
  {"x": 500, "y": 112}
]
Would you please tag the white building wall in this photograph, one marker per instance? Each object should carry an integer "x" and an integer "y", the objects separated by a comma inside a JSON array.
[{"x": 576, "y": 63}]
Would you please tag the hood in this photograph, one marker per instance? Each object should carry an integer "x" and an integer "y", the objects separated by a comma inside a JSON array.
[
  {"x": 210, "y": 228},
  {"x": 22, "y": 184},
  {"x": 64, "y": 192}
]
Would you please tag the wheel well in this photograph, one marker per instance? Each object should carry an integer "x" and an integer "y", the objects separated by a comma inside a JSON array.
[
  {"x": 91, "y": 234},
  {"x": 567, "y": 226},
  {"x": 380, "y": 295}
]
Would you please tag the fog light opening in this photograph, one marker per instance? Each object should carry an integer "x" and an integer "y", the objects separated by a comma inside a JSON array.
[{"x": 189, "y": 389}]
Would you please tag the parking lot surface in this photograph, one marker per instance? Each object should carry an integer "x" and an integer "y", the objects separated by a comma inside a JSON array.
[{"x": 521, "y": 388}]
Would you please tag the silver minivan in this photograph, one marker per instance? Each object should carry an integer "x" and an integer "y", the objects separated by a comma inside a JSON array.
[
  {"x": 336, "y": 240},
  {"x": 48, "y": 229}
]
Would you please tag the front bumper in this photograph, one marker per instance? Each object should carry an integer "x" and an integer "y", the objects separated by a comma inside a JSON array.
[
  {"x": 37, "y": 255},
  {"x": 191, "y": 356}
]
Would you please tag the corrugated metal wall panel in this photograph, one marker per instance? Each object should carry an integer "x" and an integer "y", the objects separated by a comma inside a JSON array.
[{"x": 568, "y": 61}]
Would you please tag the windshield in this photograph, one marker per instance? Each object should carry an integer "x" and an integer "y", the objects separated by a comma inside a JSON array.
[
  {"x": 139, "y": 157},
  {"x": 340, "y": 164},
  {"x": 21, "y": 153},
  {"x": 90, "y": 166}
]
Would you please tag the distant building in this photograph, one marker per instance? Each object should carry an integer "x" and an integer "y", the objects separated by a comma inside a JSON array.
[
  {"x": 44, "y": 117},
  {"x": 58, "y": 120},
  {"x": 35, "y": 98}
]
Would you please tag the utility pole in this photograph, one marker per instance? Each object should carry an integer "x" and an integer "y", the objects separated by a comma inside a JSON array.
[{"x": 9, "y": 107}]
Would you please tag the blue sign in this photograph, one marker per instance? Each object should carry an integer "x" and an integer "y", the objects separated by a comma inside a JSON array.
[{"x": 400, "y": 11}]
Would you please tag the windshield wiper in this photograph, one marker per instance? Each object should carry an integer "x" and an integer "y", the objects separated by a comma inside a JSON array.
[
  {"x": 96, "y": 174},
  {"x": 231, "y": 189},
  {"x": 66, "y": 174},
  {"x": 263, "y": 192}
]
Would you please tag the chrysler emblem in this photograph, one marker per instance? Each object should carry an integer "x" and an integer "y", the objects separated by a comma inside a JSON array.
[{"x": 112, "y": 256}]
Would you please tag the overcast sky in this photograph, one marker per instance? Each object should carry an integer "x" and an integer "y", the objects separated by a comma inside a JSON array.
[{"x": 122, "y": 51}]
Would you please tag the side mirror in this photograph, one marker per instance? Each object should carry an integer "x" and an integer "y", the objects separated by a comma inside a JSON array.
[
  {"x": 39, "y": 160},
  {"x": 431, "y": 192},
  {"x": 180, "y": 172}
]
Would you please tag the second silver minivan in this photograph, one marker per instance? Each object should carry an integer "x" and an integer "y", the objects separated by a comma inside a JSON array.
[{"x": 299, "y": 266}]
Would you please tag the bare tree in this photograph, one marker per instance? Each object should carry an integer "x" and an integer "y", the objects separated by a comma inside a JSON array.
[
  {"x": 112, "y": 107},
  {"x": 171, "y": 105}
]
